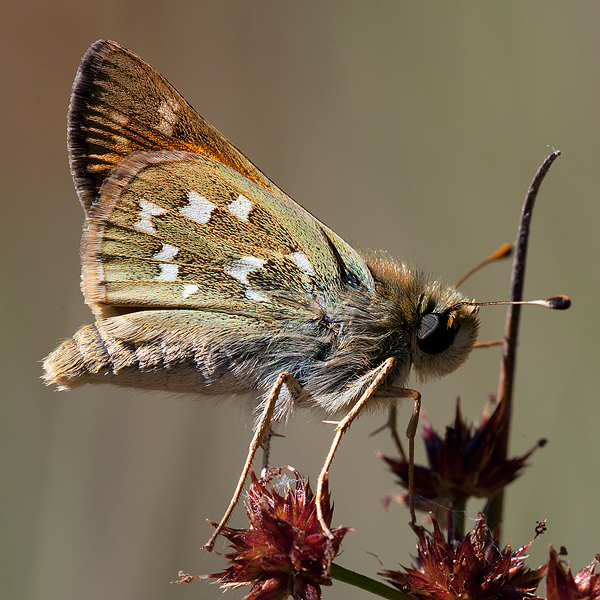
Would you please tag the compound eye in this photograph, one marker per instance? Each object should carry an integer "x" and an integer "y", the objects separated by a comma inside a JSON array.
[{"x": 434, "y": 335}]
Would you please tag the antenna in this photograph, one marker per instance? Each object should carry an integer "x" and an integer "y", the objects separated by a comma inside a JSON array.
[
  {"x": 503, "y": 252},
  {"x": 556, "y": 302}
]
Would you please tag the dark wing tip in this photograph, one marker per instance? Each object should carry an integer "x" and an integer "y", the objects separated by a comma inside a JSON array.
[{"x": 82, "y": 93}]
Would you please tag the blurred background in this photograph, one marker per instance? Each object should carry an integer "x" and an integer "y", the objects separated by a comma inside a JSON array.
[{"x": 414, "y": 127}]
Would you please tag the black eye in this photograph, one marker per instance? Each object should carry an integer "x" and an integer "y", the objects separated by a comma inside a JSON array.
[{"x": 433, "y": 335}]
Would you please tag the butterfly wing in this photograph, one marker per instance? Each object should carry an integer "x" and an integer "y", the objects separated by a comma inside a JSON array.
[
  {"x": 120, "y": 105},
  {"x": 179, "y": 230},
  {"x": 137, "y": 148}
]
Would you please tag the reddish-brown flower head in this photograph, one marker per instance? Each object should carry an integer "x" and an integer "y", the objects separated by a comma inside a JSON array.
[
  {"x": 285, "y": 552},
  {"x": 466, "y": 463},
  {"x": 470, "y": 569},
  {"x": 561, "y": 585}
]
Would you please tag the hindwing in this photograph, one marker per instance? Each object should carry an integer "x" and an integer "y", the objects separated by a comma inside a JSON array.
[{"x": 180, "y": 230}]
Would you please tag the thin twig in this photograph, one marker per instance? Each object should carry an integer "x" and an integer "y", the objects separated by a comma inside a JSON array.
[{"x": 509, "y": 353}]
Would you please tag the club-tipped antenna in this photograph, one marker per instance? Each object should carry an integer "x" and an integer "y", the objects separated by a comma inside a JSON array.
[{"x": 556, "y": 302}]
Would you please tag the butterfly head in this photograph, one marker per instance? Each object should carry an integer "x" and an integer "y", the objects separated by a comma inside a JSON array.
[
  {"x": 434, "y": 325},
  {"x": 443, "y": 335}
]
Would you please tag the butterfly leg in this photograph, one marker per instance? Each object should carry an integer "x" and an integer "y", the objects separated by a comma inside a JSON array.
[
  {"x": 380, "y": 376},
  {"x": 260, "y": 431},
  {"x": 341, "y": 427},
  {"x": 266, "y": 446},
  {"x": 392, "y": 425},
  {"x": 411, "y": 433}
]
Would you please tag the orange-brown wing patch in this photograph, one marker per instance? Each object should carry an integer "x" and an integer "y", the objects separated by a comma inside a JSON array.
[{"x": 121, "y": 105}]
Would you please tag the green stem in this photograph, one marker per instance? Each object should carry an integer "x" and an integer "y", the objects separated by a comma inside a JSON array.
[
  {"x": 366, "y": 583},
  {"x": 459, "y": 514}
]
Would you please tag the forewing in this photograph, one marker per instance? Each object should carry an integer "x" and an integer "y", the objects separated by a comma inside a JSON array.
[
  {"x": 173, "y": 229},
  {"x": 120, "y": 105}
]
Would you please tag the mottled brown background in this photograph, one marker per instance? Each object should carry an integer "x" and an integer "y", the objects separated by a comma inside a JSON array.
[{"x": 410, "y": 126}]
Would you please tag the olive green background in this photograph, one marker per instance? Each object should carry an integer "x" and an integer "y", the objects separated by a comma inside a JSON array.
[{"x": 409, "y": 126}]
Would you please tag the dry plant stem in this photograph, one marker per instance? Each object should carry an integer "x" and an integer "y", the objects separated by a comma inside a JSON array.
[
  {"x": 509, "y": 353},
  {"x": 261, "y": 429},
  {"x": 341, "y": 428}
]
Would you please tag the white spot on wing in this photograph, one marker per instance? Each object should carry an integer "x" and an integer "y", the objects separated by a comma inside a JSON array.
[
  {"x": 188, "y": 290},
  {"x": 121, "y": 143},
  {"x": 199, "y": 209},
  {"x": 240, "y": 208},
  {"x": 168, "y": 272},
  {"x": 240, "y": 269},
  {"x": 167, "y": 116},
  {"x": 149, "y": 209},
  {"x": 167, "y": 252},
  {"x": 301, "y": 261},
  {"x": 254, "y": 295},
  {"x": 119, "y": 117}
]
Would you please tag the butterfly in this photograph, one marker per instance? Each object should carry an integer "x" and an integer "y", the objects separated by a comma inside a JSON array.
[{"x": 204, "y": 277}]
